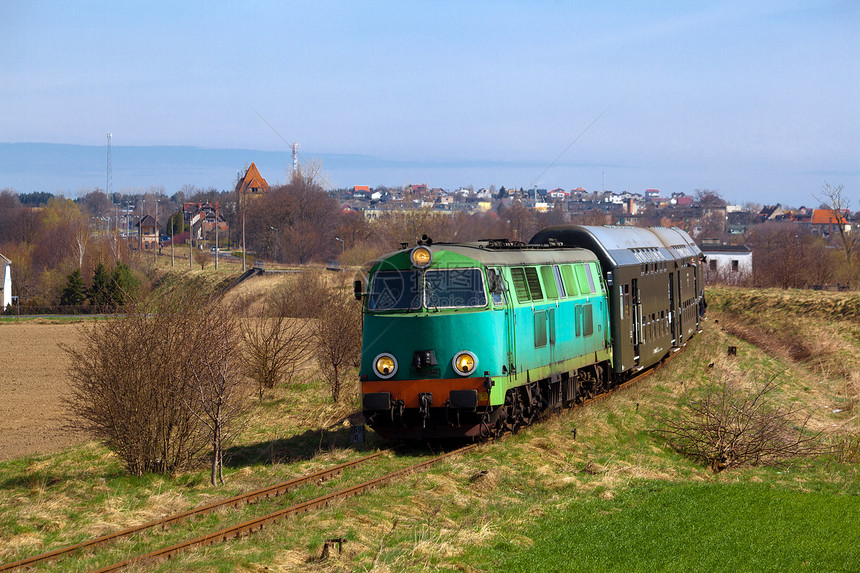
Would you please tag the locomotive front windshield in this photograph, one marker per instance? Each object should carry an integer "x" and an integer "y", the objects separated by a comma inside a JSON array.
[
  {"x": 432, "y": 289},
  {"x": 395, "y": 290}
]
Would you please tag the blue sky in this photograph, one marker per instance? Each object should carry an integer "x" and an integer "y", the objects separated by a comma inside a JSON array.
[{"x": 758, "y": 100}]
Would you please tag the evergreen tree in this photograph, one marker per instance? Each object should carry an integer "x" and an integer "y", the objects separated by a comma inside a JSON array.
[
  {"x": 74, "y": 292},
  {"x": 123, "y": 284},
  {"x": 99, "y": 291}
]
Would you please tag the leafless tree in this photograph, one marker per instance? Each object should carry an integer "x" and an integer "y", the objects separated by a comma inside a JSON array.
[
  {"x": 306, "y": 218},
  {"x": 337, "y": 338},
  {"x": 785, "y": 255},
  {"x": 840, "y": 208},
  {"x": 219, "y": 385},
  {"x": 395, "y": 227}
]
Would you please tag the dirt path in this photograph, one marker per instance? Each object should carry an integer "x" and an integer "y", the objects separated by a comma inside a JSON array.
[{"x": 32, "y": 386}]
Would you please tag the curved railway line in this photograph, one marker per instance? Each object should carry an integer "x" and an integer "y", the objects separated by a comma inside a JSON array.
[{"x": 258, "y": 523}]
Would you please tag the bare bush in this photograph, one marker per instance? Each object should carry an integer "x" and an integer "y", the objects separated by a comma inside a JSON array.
[
  {"x": 159, "y": 381},
  {"x": 275, "y": 344},
  {"x": 729, "y": 427},
  {"x": 131, "y": 379},
  {"x": 301, "y": 297}
]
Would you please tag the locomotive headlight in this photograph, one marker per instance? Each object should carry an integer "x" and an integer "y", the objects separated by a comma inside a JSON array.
[
  {"x": 385, "y": 365},
  {"x": 465, "y": 363},
  {"x": 421, "y": 257}
]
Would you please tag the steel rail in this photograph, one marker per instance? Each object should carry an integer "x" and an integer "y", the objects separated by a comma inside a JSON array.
[
  {"x": 258, "y": 523},
  {"x": 236, "y": 501}
]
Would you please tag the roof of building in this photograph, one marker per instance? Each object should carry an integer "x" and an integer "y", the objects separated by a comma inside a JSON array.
[
  {"x": 148, "y": 221},
  {"x": 824, "y": 217},
  {"x": 712, "y": 249},
  {"x": 252, "y": 180}
]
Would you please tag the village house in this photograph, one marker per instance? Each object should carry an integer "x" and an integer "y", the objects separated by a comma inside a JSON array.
[
  {"x": 148, "y": 232},
  {"x": 252, "y": 185},
  {"x": 771, "y": 213},
  {"x": 824, "y": 223},
  {"x": 204, "y": 218},
  {"x": 6, "y": 284},
  {"x": 727, "y": 264}
]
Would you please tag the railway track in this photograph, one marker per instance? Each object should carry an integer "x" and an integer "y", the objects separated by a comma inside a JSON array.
[
  {"x": 259, "y": 523},
  {"x": 236, "y": 501}
]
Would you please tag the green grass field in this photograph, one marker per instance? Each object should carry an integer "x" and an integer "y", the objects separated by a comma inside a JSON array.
[{"x": 660, "y": 526}]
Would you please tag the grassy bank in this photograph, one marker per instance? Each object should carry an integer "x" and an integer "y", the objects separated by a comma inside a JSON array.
[{"x": 594, "y": 489}]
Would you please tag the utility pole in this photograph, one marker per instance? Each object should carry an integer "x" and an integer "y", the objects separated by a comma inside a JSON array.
[
  {"x": 217, "y": 247},
  {"x": 157, "y": 237},
  {"x": 140, "y": 228},
  {"x": 191, "y": 245},
  {"x": 243, "y": 230}
]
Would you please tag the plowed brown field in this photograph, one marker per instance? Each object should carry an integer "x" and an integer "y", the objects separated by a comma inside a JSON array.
[{"x": 33, "y": 383}]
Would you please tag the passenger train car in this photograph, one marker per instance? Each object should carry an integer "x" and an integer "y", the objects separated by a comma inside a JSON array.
[{"x": 473, "y": 339}]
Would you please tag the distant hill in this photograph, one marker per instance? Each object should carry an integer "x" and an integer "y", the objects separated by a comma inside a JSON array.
[
  {"x": 67, "y": 169},
  {"x": 29, "y": 167}
]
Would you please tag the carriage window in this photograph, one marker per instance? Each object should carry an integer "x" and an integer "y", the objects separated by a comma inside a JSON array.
[
  {"x": 454, "y": 288},
  {"x": 626, "y": 305},
  {"x": 394, "y": 290},
  {"x": 549, "y": 282}
]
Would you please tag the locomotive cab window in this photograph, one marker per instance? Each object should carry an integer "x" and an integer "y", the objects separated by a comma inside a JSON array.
[
  {"x": 454, "y": 288},
  {"x": 394, "y": 290}
]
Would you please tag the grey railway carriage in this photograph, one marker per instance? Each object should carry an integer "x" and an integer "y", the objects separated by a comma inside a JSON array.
[{"x": 656, "y": 287}]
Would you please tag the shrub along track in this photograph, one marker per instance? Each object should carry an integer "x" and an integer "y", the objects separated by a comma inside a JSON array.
[{"x": 257, "y": 524}]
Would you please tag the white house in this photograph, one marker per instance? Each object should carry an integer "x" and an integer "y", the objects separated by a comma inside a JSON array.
[
  {"x": 6, "y": 286},
  {"x": 727, "y": 264}
]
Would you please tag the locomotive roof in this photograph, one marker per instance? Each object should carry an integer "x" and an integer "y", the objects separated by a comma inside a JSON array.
[
  {"x": 619, "y": 246},
  {"x": 525, "y": 255}
]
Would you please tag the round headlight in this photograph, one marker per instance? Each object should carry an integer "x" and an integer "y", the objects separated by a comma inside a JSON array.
[
  {"x": 421, "y": 257},
  {"x": 385, "y": 365},
  {"x": 465, "y": 363}
]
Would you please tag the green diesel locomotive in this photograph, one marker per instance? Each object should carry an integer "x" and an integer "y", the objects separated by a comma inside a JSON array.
[{"x": 473, "y": 339}]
